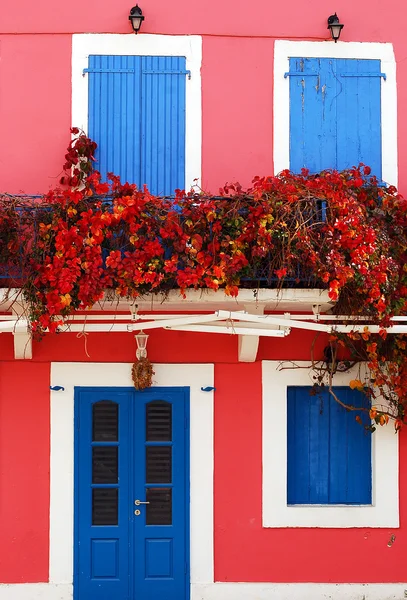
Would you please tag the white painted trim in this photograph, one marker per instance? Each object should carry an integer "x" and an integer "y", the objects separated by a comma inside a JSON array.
[
  {"x": 234, "y": 591},
  {"x": 69, "y": 375},
  {"x": 35, "y": 591},
  {"x": 284, "y": 300},
  {"x": 384, "y": 511},
  {"x": 283, "y": 50},
  {"x": 189, "y": 46},
  {"x": 298, "y": 591}
]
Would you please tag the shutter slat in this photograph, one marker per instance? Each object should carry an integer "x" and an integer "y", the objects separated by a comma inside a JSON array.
[
  {"x": 319, "y": 449},
  {"x": 359, "y": 456},
  {"x": 298, "y": 428},
  {"x": 339, "y": 453}
]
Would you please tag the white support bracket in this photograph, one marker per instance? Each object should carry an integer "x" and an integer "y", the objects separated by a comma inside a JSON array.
[
  {"x": 22, "y": 345},
  {"x": 248, "y": 345},
  {"x": 21, "y": 336}
]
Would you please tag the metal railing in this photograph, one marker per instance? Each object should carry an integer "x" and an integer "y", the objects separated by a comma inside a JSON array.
[{"x": 30, "y": 213}]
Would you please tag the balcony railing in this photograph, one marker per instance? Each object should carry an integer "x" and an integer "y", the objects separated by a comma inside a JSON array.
[{"x": 28, "y": 213}]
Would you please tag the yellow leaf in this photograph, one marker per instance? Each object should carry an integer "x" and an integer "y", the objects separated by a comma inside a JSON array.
[{"x": 355, "y": 384}]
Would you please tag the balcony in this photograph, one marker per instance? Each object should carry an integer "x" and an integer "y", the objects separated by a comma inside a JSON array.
[{"x": 23, "y": 218}]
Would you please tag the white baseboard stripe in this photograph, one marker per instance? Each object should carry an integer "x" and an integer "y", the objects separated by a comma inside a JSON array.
[
  {"x": 298, "y": 591},
  {"x": 36, "y": 591},
  {"x": 233, "y": 591}
]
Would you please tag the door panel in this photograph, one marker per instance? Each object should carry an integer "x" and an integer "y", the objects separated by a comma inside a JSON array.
[
  {"x": 102, "y": 436},
  {"x": 131, "y": 501},
  {"x": 159, "y": 562}
]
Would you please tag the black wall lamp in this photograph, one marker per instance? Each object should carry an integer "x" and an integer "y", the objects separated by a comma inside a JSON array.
[
  {"x": 335, "y": 27},
  {"x": 136, "y": 18}
]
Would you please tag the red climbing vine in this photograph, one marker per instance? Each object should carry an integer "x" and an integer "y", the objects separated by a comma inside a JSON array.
[{"x": 342, "y": 231}]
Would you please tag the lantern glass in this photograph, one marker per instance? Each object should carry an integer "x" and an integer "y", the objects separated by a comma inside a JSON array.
[
  {"x": 141, "y": 339},
  {"x": 336, "y": 31},
  {"x": 136, "y": 23}
]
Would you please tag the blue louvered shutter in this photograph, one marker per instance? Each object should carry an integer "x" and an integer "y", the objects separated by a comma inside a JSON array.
[
  {"x": 328, "y": 452},
  {"x": 335, "y": 114},
  {"x": 136, "y": 115}
]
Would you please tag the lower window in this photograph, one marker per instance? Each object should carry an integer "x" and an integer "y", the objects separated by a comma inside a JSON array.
[
  {"x": 329, "y": 455},
  {"x": 320, "y": 467}
]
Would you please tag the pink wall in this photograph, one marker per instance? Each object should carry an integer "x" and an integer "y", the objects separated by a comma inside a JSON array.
[
  {"x": 237, "y": 74},
  {"x": 364, "y": 19},
  {"x": 237, "y": 96},
  {"x": 35, "y": 111}
]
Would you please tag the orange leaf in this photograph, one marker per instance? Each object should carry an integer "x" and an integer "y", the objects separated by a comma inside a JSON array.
[{"x": 355, "y": 384}]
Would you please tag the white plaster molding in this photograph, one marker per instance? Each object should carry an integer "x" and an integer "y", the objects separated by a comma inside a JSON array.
[
  {"x": 298, "y": 591},
  {"x": 233, "y": 591},
  {"x": 284, "y": 49},
  {"x": 69, "y": 375},
  {"x": 284, "y": 300},
  {"x": 189, "y": 46},
  {"x": 35, "y": 591},
  {"x": 384, "y": 511}
]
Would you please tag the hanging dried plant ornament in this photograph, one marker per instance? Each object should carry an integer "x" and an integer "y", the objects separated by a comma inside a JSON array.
[{"x": 142, "y": 374}]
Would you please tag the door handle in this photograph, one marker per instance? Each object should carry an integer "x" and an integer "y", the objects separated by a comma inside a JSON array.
[{"x": 138, "y": 502}]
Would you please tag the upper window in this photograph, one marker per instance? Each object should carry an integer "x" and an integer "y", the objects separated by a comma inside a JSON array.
[
  {"x": 140, "y": 98},
  {"x": 335, "y": 114},
  {"x": 335, "y": 105},
  {"x": 136, "y": 115}
]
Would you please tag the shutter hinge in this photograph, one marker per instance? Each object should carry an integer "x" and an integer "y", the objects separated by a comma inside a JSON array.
[
  {"x": 363, "y": 75},
  {"x": 300, "y": 74},
  {"x": 134, "y": 70},
  {"x": 168, "y": 73},
  {"x": 109, "y": 71}
]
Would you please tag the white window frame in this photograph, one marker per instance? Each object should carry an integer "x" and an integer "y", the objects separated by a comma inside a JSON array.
[
  {"x": 384, "y": 511},
  {"x": 189, "y": 46},
  {"x": 284, "y": 50}
]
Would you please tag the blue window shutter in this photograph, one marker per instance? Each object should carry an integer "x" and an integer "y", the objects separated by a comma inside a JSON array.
[
  {"x": 114, "y": 115},
  {"x": 328, "y": 452},
  {"x": 335, "y": 114},
  {"x": 163, "y": 124},
  {"x": 312, "y": 115},
  {"x": 358, "y": 114},
  {"x": 136, "y": 115}
]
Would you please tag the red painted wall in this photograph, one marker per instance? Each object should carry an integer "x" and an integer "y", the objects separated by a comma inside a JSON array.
[
  {"x": 276, "y": 555},
  {"x": 24, "y": 472},
  {"x": 283, "y": 555}
]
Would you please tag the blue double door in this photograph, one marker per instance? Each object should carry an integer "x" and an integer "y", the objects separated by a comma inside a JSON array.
[{"x": 131, "y": 494}]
